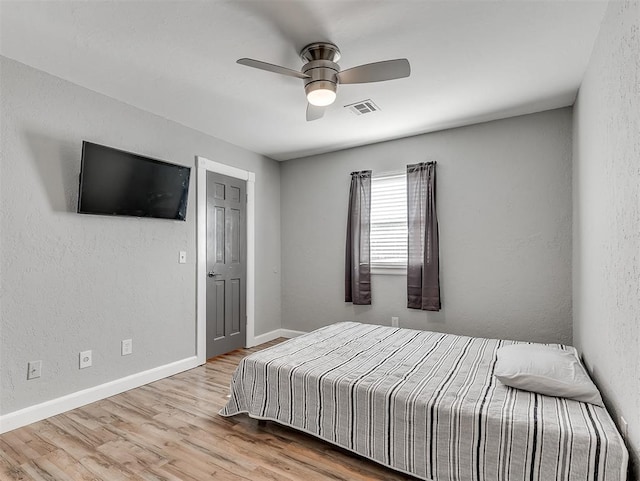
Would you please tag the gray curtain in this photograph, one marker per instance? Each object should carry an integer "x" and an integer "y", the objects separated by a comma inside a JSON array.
[
  {"x": 423, "y": 267},
  {"x": 357, "y": 271}
]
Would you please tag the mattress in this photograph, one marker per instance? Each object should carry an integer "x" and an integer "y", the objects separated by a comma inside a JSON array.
[{"x": 426, "y": 404}]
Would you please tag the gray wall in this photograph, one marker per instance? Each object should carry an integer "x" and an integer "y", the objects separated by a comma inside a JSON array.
[
  {"x": 73, "y": 282},
  {"x": 504, "y": 206},
  {"x": 607, "y": 216}
]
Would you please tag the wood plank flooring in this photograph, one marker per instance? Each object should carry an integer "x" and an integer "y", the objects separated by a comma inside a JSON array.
[{"x": 169, "y": 430}]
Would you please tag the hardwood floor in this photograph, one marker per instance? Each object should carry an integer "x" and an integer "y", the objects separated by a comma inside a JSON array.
[{"x": 170, "y": 430}]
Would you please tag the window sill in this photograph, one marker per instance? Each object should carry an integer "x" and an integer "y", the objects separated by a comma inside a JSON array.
[{"x": 388, "y": 271}]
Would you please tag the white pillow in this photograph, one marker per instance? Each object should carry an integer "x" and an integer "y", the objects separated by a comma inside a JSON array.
[{"x": 545, "y": 370}]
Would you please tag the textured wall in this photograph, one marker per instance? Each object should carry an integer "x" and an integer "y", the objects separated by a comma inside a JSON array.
[
  {"x": 607, "y": 216},
  {"x": 504, "y": 205},
  {"x": 72, "y": 282}
]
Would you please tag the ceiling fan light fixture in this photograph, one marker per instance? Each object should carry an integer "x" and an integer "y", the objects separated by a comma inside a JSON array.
[{"x": 321, "y": 93}]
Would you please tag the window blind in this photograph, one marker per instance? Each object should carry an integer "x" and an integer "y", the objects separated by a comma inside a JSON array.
[{"x": 389, "y": 220}]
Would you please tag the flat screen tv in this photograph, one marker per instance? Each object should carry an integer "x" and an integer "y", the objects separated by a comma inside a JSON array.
[{"x": 114, "y": 182}]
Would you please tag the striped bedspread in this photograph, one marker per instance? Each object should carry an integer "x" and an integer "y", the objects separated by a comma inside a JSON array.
[{"x": 427, "y": 404}]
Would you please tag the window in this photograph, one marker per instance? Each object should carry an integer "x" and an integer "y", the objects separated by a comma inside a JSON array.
[{"x": 389, "y": 221}]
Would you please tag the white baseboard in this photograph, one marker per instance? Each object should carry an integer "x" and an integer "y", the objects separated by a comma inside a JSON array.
[
  {"x": 31, "y": 414},
  {"x": 275, "y": 334},
  {"x": 38, "y": 412},
  {"x": 289, "y": 333}
]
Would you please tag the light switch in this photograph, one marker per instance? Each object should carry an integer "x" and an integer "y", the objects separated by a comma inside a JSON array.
[
  {"x": 182, "y": 258},
  {"x": 127, "y": 347},
  {"x": 34, "y": 369}
]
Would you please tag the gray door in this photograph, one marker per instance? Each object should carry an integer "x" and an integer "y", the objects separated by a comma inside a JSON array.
[{"x": 226, "y": 263}]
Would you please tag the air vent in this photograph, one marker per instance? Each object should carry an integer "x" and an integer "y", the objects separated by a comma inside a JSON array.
[{"x": 363, "y": 107}]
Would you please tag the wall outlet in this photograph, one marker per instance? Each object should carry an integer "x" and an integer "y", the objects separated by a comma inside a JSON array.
[
  {"x": 85, "y": 359},
  {"x": 127, "y": 347},
  {"x": 395, "y": 321},
  {"x": 624, "y": 427},
  {"x": 182, "y": 257},
  {"x": 34, "y": 369}
]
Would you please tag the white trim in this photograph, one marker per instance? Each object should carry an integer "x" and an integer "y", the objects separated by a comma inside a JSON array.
[
  {"x": 251, "y": 260},
  {"x": 268, "y": 336},
  {"x": 31, "y": 414},
  {"x": 275, "y": 334},
  {"x": 203, "y": 166},
  {"x": 289, "y": 333},
  {"x": 223, "y": 169},
  {"x": 388, "y": 270}
]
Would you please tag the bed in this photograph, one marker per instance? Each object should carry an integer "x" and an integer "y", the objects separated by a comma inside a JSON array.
[{"x": 425, "y": 404}]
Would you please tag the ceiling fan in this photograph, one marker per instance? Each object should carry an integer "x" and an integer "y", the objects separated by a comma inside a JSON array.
[{"x": 321, "y": 74}]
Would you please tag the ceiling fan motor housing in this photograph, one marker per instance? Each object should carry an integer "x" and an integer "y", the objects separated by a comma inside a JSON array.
[
  {"x": 323, "y": 74},
  {"x": 320, "y": 51},
  {"x": 320, "y": 67}
]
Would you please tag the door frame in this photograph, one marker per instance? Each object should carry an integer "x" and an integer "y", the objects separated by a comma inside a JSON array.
[{"x": 203, "y": 166}]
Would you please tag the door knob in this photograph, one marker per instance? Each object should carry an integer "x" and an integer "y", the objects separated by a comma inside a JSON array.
[{"x": 211, "y": 274}]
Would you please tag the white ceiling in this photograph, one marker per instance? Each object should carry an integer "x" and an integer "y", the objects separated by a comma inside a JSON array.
[{"x": 471, "y": 61}]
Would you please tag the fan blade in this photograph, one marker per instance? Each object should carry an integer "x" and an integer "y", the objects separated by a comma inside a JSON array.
[
  {"x": 269, "y": 67},
  {"x": 314, "y": 112},
  {"x": 376, "y": 72}
]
